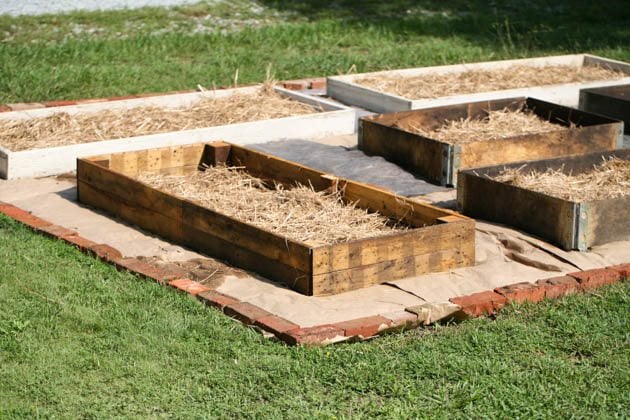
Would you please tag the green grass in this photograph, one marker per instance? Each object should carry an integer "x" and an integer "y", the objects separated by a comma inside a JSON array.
[
  {"x": 158, "y": 50},
  {"x": 79, "y": 339}
]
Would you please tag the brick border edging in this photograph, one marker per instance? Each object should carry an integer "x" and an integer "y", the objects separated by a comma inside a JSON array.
[
  {"x": 313, "y": 83},
  {"x": 483, "y": 303}
]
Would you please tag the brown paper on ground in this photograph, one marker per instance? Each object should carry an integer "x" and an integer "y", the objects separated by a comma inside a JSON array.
[
  {"x": 505, "y": 256},
  {"x": 56, "y": 201},
  {"x": 308, "y": 311}
]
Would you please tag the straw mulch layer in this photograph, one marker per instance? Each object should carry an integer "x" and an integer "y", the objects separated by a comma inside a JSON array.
[
  {"x": 610, "y": 179},
  {"x": 496, "y": 126},
  {"x": 474, "y": 81},
  {"x": 298, "y": 213},
  {"x": 63, "y": 129}
]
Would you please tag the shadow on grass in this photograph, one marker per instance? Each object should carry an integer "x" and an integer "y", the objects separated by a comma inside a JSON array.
[{"x": 572, "y": 25}]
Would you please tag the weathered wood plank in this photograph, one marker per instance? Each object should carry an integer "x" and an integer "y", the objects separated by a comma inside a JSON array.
[
  {"x": 612, "y": 101},
  {"x": 247, "y": 259},
  {"x": 369, "y": 275},
  {"x": 279, "y": 170},
  {"x": 572, "y": 225},
  {"x": 396, "y": 246},
  {"x": 398, "y": 208},
  {"x": 268, "y": 244},
  {"x": 392, "y": 136}
]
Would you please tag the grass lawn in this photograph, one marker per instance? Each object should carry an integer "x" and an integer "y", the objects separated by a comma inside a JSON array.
[{"x": 79, "y": 339}]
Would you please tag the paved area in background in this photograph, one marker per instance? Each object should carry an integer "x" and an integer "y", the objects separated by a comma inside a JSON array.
[{"x": 41, "y": 7}]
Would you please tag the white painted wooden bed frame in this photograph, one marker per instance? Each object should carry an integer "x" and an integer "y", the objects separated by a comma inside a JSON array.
[
  {"x": 344, "y": 88},
  {"x": 335, "y": 119}
]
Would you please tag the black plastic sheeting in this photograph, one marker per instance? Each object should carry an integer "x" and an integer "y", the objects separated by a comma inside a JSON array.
[{"x": 350, "y": 163}]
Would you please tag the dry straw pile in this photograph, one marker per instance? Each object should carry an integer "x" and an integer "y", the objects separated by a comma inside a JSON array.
[
  {"x": 496, "y": 126},
  {"x": 473, "y": 81},
  {"x": 63, "y": 129},
  {"x": 299, "y": 213},
  {"x": 610, "y": 179}
]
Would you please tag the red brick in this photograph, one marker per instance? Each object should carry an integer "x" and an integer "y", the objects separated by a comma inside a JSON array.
[
  {"x": 245, "y": 312},
  {"x": 401, "y": 318},
  {"x": 50, "y": 104},
  {"x": 5, "y": 108},
  {"x": 318, "y": 84},
  {"x": 521, "y": 292},
  {"x": 91, "y": 101},
  {"x": 313, "y": 335},
  {"x": 23, "y": 216},
  {"x": 189, "y": 286},
  {"x": 364, "y": 327},
  {"x": 159, "y": 274},
  {"x": 591, "y": 279},
  {"x": 22, "y": 106},
  {"x": 295, "y": 85},
  {"x": 275, "y": 324},
  {"x": 79, "y": 241},
  {"x": 481, "y": 303},
  {"x": 121, "y": 98},
  {"x": 622, "y": 269},
  {"x": 558, "y": 286},
  {"x": 216, "y": 299},
  {"x": 57, "y": 231},
  {"x": 106, "y": 252}
]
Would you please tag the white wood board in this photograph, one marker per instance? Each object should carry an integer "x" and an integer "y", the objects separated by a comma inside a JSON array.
[
  {"x": 346, "y": 90},
  {"x": 335, "y": 119}
]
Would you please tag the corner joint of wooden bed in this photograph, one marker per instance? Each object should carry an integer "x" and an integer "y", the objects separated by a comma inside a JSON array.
[
  {"x": 215, "y": 153},
  {"x": 452, "y": 218}
]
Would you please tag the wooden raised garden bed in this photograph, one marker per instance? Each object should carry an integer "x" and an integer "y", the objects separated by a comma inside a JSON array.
[
  {"x": 434, "y": 240},
  {"x": 126, "y": 129},
  {"x": 611, "y": 101},
  {"x": 397, "y": 136},
  {"x": 556, "y": 79},
  {"x": 571, "y": 223}
]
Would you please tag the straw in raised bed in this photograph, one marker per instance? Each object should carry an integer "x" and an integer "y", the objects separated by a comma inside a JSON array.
[
  {"x": 496, "y": 125},
  {"x": 609, "y": 179},
  {"x": 430, "y": 86},
  {"x": 64, "y": 129},
  {"x": 299, "y": 212}
]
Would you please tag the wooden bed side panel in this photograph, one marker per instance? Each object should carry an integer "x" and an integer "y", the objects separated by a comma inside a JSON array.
[
  {"x": 398, "y": 246},
  {"x": 606, "y": 221},
  {"x": 398, "y": 208},
  {"x": 132, "y": 194},
  {"x": 248, "y": 259},
  {"x": 540, "y": 146},
  {"x": 269, "y": 167},
  {"x": 369, "y": 275},
  {"x": 548, "y": 217},
  {"x": 149, "y": 219},
  {"x": 417, "y": 154},
  {"x": 246, "y": 236}
]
